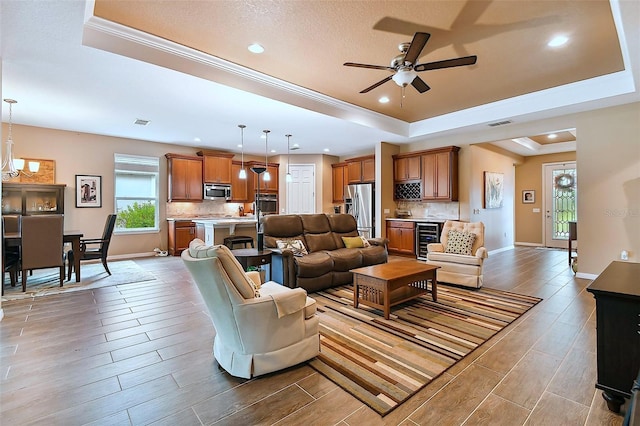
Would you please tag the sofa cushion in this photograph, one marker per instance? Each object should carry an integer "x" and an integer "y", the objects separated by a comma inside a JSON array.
[
  {"x": 345, "y": 259},
  {"x": 454, "y": 258},
  {"x": 295, "y": 245},
  {"x": 242, "y": 283},
  {"x": 280, "y": 227},
  {"x": 319, "y": 242},
  {"x": 373, "y": 255},
  {"x": 459, "y": 242},
  {"x": 314, "y": 264}
]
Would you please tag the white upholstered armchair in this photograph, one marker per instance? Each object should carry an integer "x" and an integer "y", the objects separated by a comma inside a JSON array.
[
  {"x": 459, "y": 254},
  {"x": 259, "y": 328}
]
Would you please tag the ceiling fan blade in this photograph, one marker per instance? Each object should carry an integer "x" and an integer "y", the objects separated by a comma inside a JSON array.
[
  {"x": 375, "y": 67},
  {"x": 420, "y": 85},
  {"x": 415, "y": 49},
  {"x": 447, "y": 63},
  {"x": 384, "y": 80}
]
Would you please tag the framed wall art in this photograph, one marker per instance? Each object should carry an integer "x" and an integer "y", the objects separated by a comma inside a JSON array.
[
  {"x": 88, "y": 191},
  {"x": 493, "y": 190},
  {"x": 528, "y": 196}
]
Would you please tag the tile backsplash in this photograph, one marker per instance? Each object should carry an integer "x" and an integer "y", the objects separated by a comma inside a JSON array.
[
  {"x": 203, "y": 209},
  {"x": 437, "y": 210}
]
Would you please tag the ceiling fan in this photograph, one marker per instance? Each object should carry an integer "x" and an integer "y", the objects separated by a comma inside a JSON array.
[{"x": 405, "y": 69}]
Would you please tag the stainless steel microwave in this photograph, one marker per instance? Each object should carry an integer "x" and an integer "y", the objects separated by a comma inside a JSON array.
[{"x": 216, "y": 191}]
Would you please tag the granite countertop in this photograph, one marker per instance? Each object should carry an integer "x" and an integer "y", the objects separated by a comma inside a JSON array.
[
  {"x": 220, "y": 219},
  {"x": 423, "y": 219}
]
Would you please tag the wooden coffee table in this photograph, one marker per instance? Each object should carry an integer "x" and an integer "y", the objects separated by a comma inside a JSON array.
[{"x": 388, "y": 284}]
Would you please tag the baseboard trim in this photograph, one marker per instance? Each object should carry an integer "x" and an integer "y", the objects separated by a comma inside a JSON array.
[
  {"x": 586, "y": 276},
  {"x": 501, "y": 249},
  {"x": 519, "y": 243}
]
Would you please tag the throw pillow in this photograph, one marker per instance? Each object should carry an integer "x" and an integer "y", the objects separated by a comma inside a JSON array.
[
  {"x": 352, "y": 242},
  {"x": 296, "y": 246},
  {"x": 365, "y": 242},
  {"x": 460, "y": 242}
]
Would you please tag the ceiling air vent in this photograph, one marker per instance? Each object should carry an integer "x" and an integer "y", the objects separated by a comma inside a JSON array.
[
  {"x": 141, "y": 122},
  {"x": 500, "y": 123}
]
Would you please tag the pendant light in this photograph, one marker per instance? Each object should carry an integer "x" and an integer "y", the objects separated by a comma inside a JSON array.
[
  {"x": 267, "y": 175},
  {"x": 243, "y": 172},
  {"x": 288, "y": 177}
]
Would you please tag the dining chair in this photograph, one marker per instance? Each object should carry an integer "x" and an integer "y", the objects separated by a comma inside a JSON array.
[
  {"x": 10, "y": 255},
  {"x": 94, "y": 248},
  {"x": 42, "y": 244}
]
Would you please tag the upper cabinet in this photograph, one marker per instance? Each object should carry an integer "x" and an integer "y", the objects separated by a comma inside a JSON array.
[
  {"x": 430, "y": 175},
  {"x": 406, "y": 168},
  {"x": 266, "y": 186},
  {"x": 32, "y": 199},
  {"x": 440, "y": 175},
  {"x": 239, "y": 187},
  {"x": 361, "y": 169},
  {"x": 216, "y": 166},
  {"x": 340, "y": 179},
  {"x": 184, "y": 177}
]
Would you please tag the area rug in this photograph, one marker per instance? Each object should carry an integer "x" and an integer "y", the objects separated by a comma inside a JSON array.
[
  {"x": 384, "y": 362},
  {"x": 46, "y": 281}
]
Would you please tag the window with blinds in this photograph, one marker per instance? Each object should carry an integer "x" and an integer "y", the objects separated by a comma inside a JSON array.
[{"x": 137, "y": 193}]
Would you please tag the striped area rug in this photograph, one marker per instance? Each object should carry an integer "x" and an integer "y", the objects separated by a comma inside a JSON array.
[{"x": 384, "y": 362}]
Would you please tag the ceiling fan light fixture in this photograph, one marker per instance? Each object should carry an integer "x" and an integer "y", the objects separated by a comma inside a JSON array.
[{"x": 404, "y": 77}]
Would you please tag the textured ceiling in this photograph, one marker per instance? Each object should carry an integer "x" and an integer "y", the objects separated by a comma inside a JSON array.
[{"x": 307, "y": 42}]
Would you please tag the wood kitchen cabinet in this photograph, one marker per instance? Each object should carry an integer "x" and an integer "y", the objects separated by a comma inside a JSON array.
[
  {"x": 239, "y": 187},
  {"x": 216, "y": 166},
  {"x": 406, "y": 168},
  {"x": 181, "y": 233},
  {"x": 401, "y": 236},
  {"x": 361, "y": 169},
  {"x": 266, "y": 187},
  {"x": 440, "y": 174},
  {"x": 617, "y": 297},
  {"x": 340, "y": 179},
  {"x": 185, "y": 178}
]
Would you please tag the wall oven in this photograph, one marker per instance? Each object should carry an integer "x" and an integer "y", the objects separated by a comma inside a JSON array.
[
  {"x": 267, "y": 203},
  {"x": 214, "y": 191}
]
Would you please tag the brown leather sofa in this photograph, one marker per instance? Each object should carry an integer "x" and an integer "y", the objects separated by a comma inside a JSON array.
[{"x": 328, "y": 261}]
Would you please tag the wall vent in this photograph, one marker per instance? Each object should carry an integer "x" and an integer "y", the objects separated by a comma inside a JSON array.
[
  {"x": 141, "y": 122},
  {"x": 500, "y": 123}
]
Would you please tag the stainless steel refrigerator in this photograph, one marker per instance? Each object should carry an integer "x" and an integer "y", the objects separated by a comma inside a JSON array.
[{"x": 359, "y": 202}]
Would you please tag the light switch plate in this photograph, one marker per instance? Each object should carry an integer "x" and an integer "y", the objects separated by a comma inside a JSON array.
[{"x": 536, "y": 210}]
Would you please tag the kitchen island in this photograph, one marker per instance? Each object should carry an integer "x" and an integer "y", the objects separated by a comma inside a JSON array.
[{"x": 214, "y": 230}]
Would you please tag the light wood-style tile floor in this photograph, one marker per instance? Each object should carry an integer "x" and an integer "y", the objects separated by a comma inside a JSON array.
[{"x": 141, "y": 354}]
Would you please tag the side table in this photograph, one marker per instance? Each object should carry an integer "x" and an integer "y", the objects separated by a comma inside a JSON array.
[{"x": 253, "y": 257}]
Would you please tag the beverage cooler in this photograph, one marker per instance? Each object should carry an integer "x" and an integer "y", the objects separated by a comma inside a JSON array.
[{"x": 426, "y": 233}]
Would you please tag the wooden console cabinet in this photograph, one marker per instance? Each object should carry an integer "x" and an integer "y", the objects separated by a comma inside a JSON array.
[
  {"x": 401, "y": 235},
  {"x": 32, "y": 198},
  {"x": 617, "y": 295}
]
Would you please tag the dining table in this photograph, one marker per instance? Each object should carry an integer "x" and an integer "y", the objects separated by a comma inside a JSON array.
[{"x": 72, "y": 236}]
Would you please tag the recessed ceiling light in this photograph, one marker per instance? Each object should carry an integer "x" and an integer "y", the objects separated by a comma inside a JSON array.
[
  {"x": 196, "y": 139},
  {"x": 552, "y": 136},
  {"x": 255, "y": 48},
  {"x": 558, "y": 41},
  {"x": 326, "y": 150},
  {"x": 383, "y": 100},
  {"x": 272, "y": 151},
  {"x": 239, "y": 145}
]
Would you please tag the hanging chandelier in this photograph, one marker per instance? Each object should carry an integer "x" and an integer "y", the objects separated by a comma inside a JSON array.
[
  {"x": 243, "y": 172},
  {"x": 11, "y": 167}
]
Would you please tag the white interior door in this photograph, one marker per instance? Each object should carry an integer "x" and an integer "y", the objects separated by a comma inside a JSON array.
[
  {"x": 301, "y": 191},
  {"x": 560, "y": 189}
]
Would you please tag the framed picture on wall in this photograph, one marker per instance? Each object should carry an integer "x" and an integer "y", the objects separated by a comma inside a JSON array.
[
  {"x": 528, "y": 196},
  {"x": 88, "y": 191},
  {"x": 493, "y": 190}
]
